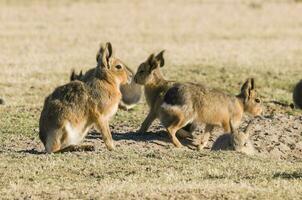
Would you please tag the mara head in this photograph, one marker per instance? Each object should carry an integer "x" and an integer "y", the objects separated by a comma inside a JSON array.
[
  {"x": 107, "y": 64},
  {"x": 251, "y": 102},
  {"x": 148, "y": 70},
  {"x": 240, "y": 140}
]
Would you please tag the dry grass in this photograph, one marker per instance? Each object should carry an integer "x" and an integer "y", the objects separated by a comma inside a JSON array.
[{"x": 217, "y": 42}]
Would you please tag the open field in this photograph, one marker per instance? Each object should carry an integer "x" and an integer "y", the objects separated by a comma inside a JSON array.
[{"x": 220, "y": 43}]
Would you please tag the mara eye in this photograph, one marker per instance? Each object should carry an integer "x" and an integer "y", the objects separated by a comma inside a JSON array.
[
  {"x": 257, "y": 100},
  {"x": 245, "y": 144},
  {"x": 118, "y": 67}
]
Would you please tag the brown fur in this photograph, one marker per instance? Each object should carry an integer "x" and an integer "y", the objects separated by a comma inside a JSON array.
[
  {"x": 236, "y": 141},
  {"x": 131, "y": 92},
  {"x": 155, "y": 85},
  {"x": 297, "y": 95},
  {"x": 72, "y": 109},
  {"x": 194, "y": 103}
]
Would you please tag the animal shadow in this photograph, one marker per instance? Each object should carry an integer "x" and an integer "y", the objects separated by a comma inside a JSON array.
[
  {"x": 31, "y": 151},
  {"x": 286, "y": 175},
  {"x": 155, "y": 137}
]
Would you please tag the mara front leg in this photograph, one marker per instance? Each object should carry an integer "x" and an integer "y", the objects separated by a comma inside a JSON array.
[
  {"x": 227, "y": 127},
  {"x": 147, "y": 122},
  {"x": 103, "y": 126}
]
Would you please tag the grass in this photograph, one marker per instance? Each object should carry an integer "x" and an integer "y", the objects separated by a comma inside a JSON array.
[
  {"x": 217, "y": 42},
  {"x": 131, "y": 173}
]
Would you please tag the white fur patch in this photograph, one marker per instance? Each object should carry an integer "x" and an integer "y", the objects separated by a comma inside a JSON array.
[
  {"x": 178, "y": 109},
  {"x": 167, "y": 106},
  {"x": 112, "y": 112},
  {"x": 74, "y": 135},
  {"x": 173, "y": 107}
]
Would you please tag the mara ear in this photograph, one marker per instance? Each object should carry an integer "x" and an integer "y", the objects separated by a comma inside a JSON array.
[
  {"x": 246, "y": 85},
  {"x": 246, "y": 88},
  {"x": 152, "y": 62},
  {"x": 109, "y": 50},
  {"x": 150, "y": 59},
  {"x": 81, "y": 74},
  {"x": 100, "y": 54},
  {"x": 73, "y": 76},
  {"x": 107, "y": 55},
  {"x": 160, "y": 58},
  {"x": 104, "y": 54},
  {"x": 252, "y": 84}
]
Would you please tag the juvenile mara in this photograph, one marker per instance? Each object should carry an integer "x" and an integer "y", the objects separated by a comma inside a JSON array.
[
  {"x": 194, "y": 103},
  {"x": 131, "y": 92},
  {"x": 155, "y": 86},
  {"x": 235, "y": 140},
  {"x": 72, "y": 109}
]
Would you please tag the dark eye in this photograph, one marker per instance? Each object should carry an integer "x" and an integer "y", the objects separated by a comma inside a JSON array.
[
  {"x": 118, "y": 67},
  {"x": 257, "y": 100},
  {"x": 141, "y": 72},
  {"x": 245, "y": 144}
]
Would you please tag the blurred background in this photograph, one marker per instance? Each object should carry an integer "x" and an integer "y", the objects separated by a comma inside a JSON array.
[{"x": 217, "y": 42}]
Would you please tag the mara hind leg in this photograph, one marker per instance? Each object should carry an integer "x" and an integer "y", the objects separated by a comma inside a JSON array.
[
  {"x": 56, "y": 140},
  {"x": 53, "y": 141},
  {"x": 205, "y": 137},
  {"x": 66, "y": 139},
  {"x": 72, "y": 136},
  {"x": 178, "y": 122}
]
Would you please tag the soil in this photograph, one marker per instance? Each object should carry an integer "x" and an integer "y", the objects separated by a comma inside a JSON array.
[{"x": 275, "y": 135}]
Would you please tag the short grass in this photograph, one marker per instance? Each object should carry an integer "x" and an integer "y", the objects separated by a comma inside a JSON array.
[{"x": 220, "y": 43}]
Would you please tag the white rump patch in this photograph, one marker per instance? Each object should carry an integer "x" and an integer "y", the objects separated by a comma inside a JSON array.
[
  {"x": 172, "y": 108},
  {"x": 183, "y": 109},
  {"x": 178, "y": 108},
  {"x": 167, "y": 106}
]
